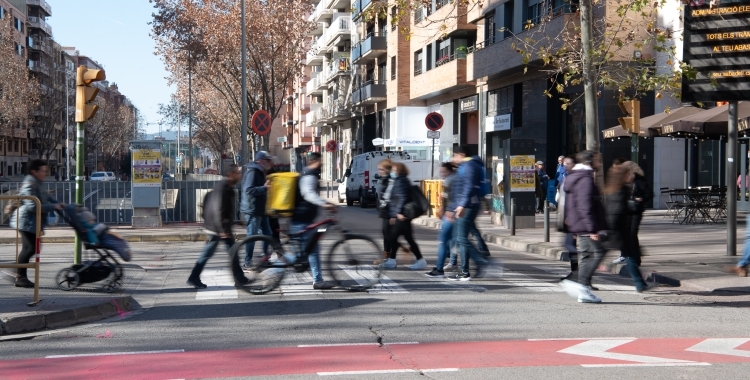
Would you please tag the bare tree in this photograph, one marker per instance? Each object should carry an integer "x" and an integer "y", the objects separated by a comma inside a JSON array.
[{"x": 19, "y": 93}]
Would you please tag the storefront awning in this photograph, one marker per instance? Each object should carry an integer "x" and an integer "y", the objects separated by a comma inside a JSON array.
[
  {"x": 649, "y": 125},
  {"x": 711, "y": 123}
]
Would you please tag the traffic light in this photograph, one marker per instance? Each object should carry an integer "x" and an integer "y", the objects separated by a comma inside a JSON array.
[
  {"x": 632, "y": 122},
  {"x": 85, "y": 92}
]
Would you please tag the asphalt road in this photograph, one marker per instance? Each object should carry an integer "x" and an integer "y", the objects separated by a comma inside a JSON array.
[{"x": 509, "y": 326}]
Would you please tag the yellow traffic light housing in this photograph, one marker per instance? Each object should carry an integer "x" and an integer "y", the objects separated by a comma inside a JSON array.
[
  {"x": 85, "y": 92},
  {"x": 632, "y": 122}
]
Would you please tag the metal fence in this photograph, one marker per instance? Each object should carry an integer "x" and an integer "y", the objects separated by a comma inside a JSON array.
[{"x": 111, "y": 201}]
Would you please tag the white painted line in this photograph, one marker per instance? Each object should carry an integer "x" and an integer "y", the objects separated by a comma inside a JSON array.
[
  {"x": 376, "y": 372},
  {"x": 561, "y": 339},
  {"x": 525, "y": 281},
  {"x": 395, "y": 343},
  {"x": 600, "y": 348},
  {"x": 115, "y": 354},
  {"x": 722, "y": 347},
  {"x": 298, "y": 284},
  {"x": 601, "y": 282},
  {"x": 337, "y": 345},
  {"x": 385, "y": 285},
  {"x": 669, "y": 364},
  {"x": 220, "y": 285}
]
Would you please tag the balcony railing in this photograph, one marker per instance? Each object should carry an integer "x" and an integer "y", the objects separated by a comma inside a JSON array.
[
  {"x": 37, "y": 22},
  {"x": 316, "y": 52},
  {"x": 370, "y": 48},
  {"x": 320, "y": 10},
  {"x": 312, "y": 87},
  {"x": 41, "y": 3},
  {"x": 370, "y": 92},
  {"x": 339, "y": 26}
]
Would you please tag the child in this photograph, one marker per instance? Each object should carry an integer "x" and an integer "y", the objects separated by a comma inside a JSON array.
[{"x": 98, "y": 234}]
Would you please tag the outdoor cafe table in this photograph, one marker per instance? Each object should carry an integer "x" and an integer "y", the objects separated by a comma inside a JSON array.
[{"x": 704, "y": 204}]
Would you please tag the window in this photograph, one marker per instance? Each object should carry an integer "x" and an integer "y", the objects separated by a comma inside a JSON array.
[
  {"x": 500, "y": 101},
  {"x": 418, "y": 15},
  {"x": 489, "y": 28},
  {"x": 441, "y": 3},
  {"x": 418, "y": 62},
  {"x": 394, "y": 15},
  {"x": 15, "y": 145},
  {"x": 534, "y": 11},
  {"x": 444, "y": 50},
  {"x": 382, "y": 73},
  {"x": 508, "y": 19},
  {"x": 18, "y": 25},
  {"x": 429, "y": 56},
  {"x": 2, "y": 13},
  {"x": 393, "y": 68},
  {"x": 19, "y": 49}
]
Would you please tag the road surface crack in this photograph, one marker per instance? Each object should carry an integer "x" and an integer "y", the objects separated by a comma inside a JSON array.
[{"x": 391, "y": 355}]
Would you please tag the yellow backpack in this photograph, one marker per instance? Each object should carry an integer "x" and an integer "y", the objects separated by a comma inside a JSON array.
[{"x": 281, "y": 194}]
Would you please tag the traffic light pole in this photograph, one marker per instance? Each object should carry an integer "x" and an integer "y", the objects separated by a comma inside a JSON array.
[
  {"x": 80, "y": 158},
  {"x": 634, "y": 148}
]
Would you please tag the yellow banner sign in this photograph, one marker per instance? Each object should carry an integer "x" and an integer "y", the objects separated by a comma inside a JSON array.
[{"x": 147, "y": 167}]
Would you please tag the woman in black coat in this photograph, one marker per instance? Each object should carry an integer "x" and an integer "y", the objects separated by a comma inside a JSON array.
[
  {"x": 400, "y": 225},
  {"x": 617, "y": 194}
]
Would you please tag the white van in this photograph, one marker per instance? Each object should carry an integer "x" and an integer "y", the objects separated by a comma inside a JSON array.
[{"x": 360, "y": 178}]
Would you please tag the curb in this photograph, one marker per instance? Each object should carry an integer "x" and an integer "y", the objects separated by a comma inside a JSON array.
[
  {"x": 68, "y": 317},
  {"x": 129, "y": 238},
  {"x": 555, "y": 252}
]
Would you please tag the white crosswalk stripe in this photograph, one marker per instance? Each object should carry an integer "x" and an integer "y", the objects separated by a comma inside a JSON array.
[
  {"x": 220, "y": 285},
  {"x": 599, "y": 281}
]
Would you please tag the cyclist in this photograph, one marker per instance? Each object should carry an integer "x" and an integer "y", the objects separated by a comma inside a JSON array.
[{"x": 307, "y": 203}]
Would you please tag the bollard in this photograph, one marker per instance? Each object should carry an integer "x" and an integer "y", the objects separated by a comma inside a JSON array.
[
  {"x": 429, "y": 198},
  {"x": 329, "y": 190},
  {"x": 512, "y": 217},
  {"x": 546, "y": 221}
]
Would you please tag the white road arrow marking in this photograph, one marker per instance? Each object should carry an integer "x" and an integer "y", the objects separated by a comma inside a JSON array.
[
  {"x": 722, "y": 347},
  {"x": 598, "y": 349}
]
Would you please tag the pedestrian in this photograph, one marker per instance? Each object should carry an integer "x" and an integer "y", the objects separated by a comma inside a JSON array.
[
  {"x": 218, "y": 217},
  {"x": 445, "y": 236},
  {"x": 585, "y": 216},
  {"x": 307, "y": 202},
  {"x": 24, "y": 217},
  {"x": 570, "y": 239},
  {"x": 560, "y": 174},
  {"x": 383, "y": 187},
  {"x": 465, "y": 208},
  {"x": 640, "y": 195},
  {"x": 254, "y": 194},
  {"x": 400, "y": 225},
  {"x": 542, "y": 184},
  {"x": 741, "y": 268},
  {"x": 617, "y": 193}
]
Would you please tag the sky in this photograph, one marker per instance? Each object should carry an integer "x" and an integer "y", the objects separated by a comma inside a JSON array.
[{"x": 115, "y": 33}]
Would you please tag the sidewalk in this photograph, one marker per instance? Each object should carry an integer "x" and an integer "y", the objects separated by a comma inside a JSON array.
[
  {"x": 691, "y": 256},
  {"x": 166, "y": 233}
]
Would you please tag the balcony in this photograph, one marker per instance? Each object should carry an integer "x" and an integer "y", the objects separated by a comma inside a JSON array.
[
  {"x": 338, "y": 4},
  {"x": 371, "y": 92},
  {"x": 41, "y": 4},
  {"x": 313, "y": 86},
  {"x": 339, "y": 67},
  {"x": 338, "y": 31},
  {"x": 39, "y": 23},
  {"x": 38, "y": 67},
  {"x": 321, "y": 12},
  {"x": 448, "y": 75},
  {"x": 320, "y": 28},
  {"x": 370, "y": 48},
  {"x": 316, "y": 53},
  {"x": 39, "y": 44},
  {"x": 336, "y": 110}
]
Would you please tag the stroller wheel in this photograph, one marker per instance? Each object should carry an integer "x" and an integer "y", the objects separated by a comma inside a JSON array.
[{"x": 68, "y": 279}]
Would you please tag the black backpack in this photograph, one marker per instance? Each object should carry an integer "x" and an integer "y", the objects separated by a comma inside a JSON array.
[{"x": 417, "y": 205}]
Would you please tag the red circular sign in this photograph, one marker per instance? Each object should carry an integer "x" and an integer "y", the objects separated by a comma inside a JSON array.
[
  {"x": 261, "y": 122},
  {"x": 434, "y": 121},
  {"x": 332, "y": 146}
]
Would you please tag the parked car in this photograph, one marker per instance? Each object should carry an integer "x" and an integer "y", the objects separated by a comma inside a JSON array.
[
  {"x": 102, "y": 176},
  {"x": 342, "y": 190}
]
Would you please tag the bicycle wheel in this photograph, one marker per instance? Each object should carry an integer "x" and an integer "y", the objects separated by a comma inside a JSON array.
[
  {"x": 268, "y": 268},
  {"x": 351, "y": 262}
]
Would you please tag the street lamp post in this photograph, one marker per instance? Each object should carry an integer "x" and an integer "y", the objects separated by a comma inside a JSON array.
[{"x": 243, "y": 132}]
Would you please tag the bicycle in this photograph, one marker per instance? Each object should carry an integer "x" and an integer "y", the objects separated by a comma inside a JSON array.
[{"x": 352, "y": 266}]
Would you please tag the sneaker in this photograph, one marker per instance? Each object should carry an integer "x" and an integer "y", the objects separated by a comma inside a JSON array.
[
  {"x": 618, "y": 260},
  {"x": 481, "y": 270},
  {"x": 323, "y": 285},
  {"x": 247, "y": 269},
  {"x": 242, "y": 282},
  {"x": 572, "y": 288},
  {"x": 586, "y": 296},
  {"x": 380, "y": 261},
  {"x": 740, "y": 271},
  {"x": 592, "y": 287},
  {"x": 419, "y": 265},
  {"x": 435, "y": 273},
  {"x": 460, "y": 277},
  {"x": 449, "y": 266},
  {"x": 23, "y": 282},
  {"x": 389, "y": 264},
  {"x": 196, "y": 283},
  {"x": 485, "y": 253}
]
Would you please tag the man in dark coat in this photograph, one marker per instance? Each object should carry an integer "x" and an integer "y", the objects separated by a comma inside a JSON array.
[
  {"x": 585, "y": 217},
  {"x": 218, "y": 217},
  {"x": 254, "y": 195}
]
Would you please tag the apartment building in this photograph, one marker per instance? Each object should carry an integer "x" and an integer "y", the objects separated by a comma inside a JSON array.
[{"x": 14, "y": 144}]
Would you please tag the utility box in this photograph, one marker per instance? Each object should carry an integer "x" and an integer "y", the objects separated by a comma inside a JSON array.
[
  {"x": 146, "y": 183},
  {"x": 519, "y": 181}
]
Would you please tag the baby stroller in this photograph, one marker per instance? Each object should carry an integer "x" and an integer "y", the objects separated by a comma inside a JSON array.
[{"x": 94, "y": 270}]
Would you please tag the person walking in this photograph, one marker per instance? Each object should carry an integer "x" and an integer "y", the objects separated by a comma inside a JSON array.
[
  {"x": 570, "y": 239},
  {"x": 465, "y": 206},
  {"x": 640, "y": 195},
  {"x": 400, "y": 225},
  {"x": 307, "y": 202},
  {"x": 218, "y": 217},
  {"x": 585, "y": 216},
  {"x": 742, "y": 266},
  {"x": 24, "y": 217},
  {"x": 445, "y": 236},
  {"x": 543, "y": 182},
  {"x": 384, "y": 187},
  {"x": 254, "y": 193}
]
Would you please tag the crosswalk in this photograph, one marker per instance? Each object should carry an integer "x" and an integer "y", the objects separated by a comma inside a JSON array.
[{"x": 540, "y": 278}]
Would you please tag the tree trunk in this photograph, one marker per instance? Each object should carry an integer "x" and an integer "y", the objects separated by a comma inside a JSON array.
[{"x": 589, "y": 78}]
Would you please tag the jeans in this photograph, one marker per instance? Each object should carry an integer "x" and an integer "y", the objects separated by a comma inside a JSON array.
[
  {"x": 632, "y": 264},
  {"x": 745, "y": 260},
  {"x": 314, "y": 255},
  {"x": 570, "y": 245},
  {"x": 481, "y": 245},
  {"x": 208, "y": 252},
  {"x": 28, "y": 239},
  {"x": 591, "y": 253},
  {"x": 445, "y": 242},
  {"x": 463, "y": 226},
  {"x": 256, "y": 225},
  {"x": 402, "y": 228}
]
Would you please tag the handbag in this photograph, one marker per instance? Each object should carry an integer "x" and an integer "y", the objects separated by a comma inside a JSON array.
[{"x": 417, "y": 205}]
